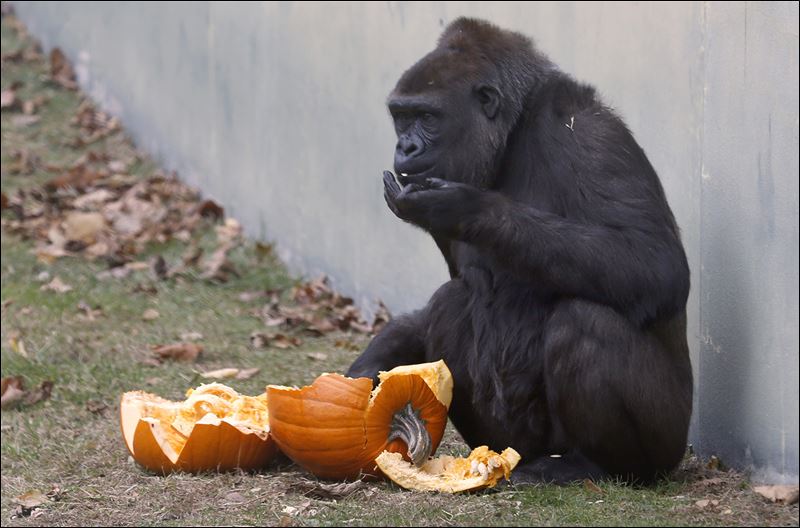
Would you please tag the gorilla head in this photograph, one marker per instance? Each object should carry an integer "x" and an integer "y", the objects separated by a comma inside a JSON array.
[{"x": 454, "y": 109}]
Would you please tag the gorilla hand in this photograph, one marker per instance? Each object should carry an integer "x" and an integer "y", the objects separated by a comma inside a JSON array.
[{"x": 438, "y": 206}]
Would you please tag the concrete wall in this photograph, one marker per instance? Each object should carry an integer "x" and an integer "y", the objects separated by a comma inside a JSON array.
[{"x": 276, "y": 110}]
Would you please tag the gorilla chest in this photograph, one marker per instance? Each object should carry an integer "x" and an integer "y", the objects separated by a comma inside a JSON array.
[{"x": 489, "y": 331}]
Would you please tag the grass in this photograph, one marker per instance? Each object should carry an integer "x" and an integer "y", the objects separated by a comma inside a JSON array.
[{"x": 65, "y": 445}]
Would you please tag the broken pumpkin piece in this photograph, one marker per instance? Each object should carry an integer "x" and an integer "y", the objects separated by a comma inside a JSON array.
[
  {"x": 336, "y": 426},
  {"x": 215, "y": 428},
  {"x": 483, "y": 468}
]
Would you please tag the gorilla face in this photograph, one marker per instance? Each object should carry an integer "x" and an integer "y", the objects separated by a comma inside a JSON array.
[{"x": 444, "y": 135}]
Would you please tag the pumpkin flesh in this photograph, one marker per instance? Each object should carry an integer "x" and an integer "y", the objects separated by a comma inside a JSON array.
[
  {"x": 483, "y": 468},
  {"x": 215, "y": 428}
]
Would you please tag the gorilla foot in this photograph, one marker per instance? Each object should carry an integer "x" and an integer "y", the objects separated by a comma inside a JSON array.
[{"x": 570, "y": 467}]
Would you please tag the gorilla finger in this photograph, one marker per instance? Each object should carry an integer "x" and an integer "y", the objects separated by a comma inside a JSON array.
[
  {"x": 389, "y": 184},
  {"x": 436, "y": 183},
  {"x": 391, "y": 203},
  {"x": 413, "y": 179}
]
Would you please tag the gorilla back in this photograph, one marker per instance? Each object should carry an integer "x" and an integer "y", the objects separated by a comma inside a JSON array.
[{"x": 564, "y": 320}]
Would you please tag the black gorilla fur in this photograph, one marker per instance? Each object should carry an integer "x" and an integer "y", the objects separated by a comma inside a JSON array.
[{"x": 564, "y": 322}]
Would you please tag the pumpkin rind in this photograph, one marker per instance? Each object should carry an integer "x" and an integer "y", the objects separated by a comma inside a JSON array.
[
  {"x": 212, "y": 443},
  {"x": 321, "y": 426},
  {"x": 336, "y": 426}
]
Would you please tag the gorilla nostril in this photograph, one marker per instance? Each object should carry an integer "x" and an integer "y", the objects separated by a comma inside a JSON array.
[{"x": 407, "y": 147}]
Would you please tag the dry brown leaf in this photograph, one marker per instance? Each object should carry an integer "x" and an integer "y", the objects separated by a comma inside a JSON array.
[
  {"x": 57, "y": 285},
  {"x": 783, "y": 494},
  {"x": 12, "y": 392},
  {"x": 96, "y": 407},
  {"x": 591, "y": 487},
  {"x": 3, "y": 201},
  {"x": 382, "y": 316},
  {"x": 150, "y": 314},
  {"x": 88, "y": 312},
  {"x": 347, "y": 345},
  {"x": 8, "y": 97},
  {"x": 61, "y": 70},
  {"x": 42, "y": 392},
  {"x": 18, "y": 345},
  {"x": 220, "y": 373},
  {"x": 191, "y": 336},
  {"x": 247, "y": 373},
  {"x": 178, "y": 351},
  {"x": 211, "y": 209},
  {"x": 31, "y": 499},
  {"x": 282, "y": 341},
  {"x": 83, "y": 227}
]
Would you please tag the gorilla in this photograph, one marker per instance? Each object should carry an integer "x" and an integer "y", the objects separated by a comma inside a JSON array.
[{"x": 564, "y": 321}]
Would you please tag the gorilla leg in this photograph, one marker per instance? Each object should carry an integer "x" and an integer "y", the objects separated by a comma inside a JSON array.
[
  {"x": 399, "y": 343},
  {"x": 618, "y": 398}
]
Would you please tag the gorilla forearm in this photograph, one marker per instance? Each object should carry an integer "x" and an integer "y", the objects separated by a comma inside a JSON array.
[{"x": 615, "y": 266}]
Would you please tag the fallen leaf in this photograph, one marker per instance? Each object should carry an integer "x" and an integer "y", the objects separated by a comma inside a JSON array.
[
  {"x": 159, "y": 267},
  {"x": 96, "y": 407},
  {"x": 8, "y": 97},
  {"x": 319, "y": 356},
  {"x": 714, "y": 463},
  {"x": 31, "y": 499},
  {"x": 61, "y": 70},
  {"x": 591, "y": 487},
  {"x": 83, "y": 227},
  {"x": 784, "y": 494},
  {"x": 57, "y": 285},
  {"x": 12, "y": 391},
  {"x": 282, "y": 341},
  {"x": 247, "y": 373},
  {"x": 178, "y": 351},
  {"x": 150, "y": 314},
  {"x": 42, "y": 392},
  {"x": 212, "y": 209},
  {"x": 220, "y": 373},
  {"x": 18, "y": 345},
  {"x": 382, "y": 316}
]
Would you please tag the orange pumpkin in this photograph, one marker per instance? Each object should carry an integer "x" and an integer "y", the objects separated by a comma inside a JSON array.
[
  {"x": 336, "y": 426},
  {"x": 215, "y": 428}
]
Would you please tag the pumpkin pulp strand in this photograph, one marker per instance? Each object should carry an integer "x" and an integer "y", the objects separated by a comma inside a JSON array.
[{"x": 408, "y": 426}]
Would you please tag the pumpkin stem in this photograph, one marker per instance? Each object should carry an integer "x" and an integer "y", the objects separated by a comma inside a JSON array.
[{"x": 410, "y": 428}]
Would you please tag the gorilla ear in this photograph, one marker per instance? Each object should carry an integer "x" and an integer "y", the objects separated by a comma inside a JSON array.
[{"x": 489, "y": 97}]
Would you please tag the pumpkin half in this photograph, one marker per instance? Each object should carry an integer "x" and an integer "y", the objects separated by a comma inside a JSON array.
[
  {"x": 336, "y": 426},
  {"x": 214, "y": 428},
  {"x": 483, "y": 468}
]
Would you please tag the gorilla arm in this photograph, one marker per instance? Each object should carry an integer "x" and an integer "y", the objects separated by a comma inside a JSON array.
[{"x": 635, "y": 264}]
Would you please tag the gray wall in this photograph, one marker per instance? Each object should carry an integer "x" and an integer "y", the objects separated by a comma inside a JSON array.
[{"x": 276, "y": 110}]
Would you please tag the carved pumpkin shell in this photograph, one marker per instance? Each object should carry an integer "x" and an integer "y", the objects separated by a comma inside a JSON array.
[
  {"x": 336, "y": 426},
  {"x": 216, "y": 428}
]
